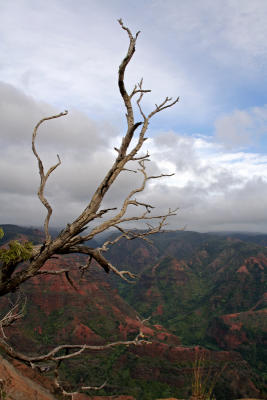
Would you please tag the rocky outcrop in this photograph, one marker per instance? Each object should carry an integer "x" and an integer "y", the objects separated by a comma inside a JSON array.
[{"x": 21, "y": 383}]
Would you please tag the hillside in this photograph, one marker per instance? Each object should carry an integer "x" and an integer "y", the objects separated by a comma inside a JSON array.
[
  {"x": 207, "y": 289},
  {"x": 178, "y": 275}
]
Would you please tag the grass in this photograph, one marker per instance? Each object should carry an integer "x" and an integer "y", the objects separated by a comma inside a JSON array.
[{"x": 205, "y": 376}]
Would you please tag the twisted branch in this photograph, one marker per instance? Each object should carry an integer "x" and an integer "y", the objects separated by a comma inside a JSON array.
[
  {"x": 44, "y": 176},
  {"x": 71, "y": 239},
  {"x": 15, "y": 313}
]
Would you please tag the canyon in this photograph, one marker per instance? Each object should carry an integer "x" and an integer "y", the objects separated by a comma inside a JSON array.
[{"x": 204, "y": 294}]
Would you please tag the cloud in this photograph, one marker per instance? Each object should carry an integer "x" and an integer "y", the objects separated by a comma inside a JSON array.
[
  {"x": 85, "y": 148},
  {"x": 242, "y": 208},
  {"x": 242, "y": 128},
  {"x": 203, "y": 52},
  {"x": 215, "y": 188},
  {"x": 212, "y": 54},
  {"x": 221, "y": 29}
]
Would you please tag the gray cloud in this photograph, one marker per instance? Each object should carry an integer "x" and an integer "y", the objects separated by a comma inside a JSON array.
[
  {"x": 214, "y": 189},
  {"x": 20, "y": 113},
  {"x": 241, "y": 209},
  {"x": 86, "y": 150}
]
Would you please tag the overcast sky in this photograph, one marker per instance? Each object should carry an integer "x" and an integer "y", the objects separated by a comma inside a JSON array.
[{"x": 64, "y": 55}]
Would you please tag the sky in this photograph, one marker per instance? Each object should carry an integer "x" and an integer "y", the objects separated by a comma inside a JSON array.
[{"x": 64, "y": 55}]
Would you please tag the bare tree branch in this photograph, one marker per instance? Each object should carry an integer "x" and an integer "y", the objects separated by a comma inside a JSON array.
[
  {"x": 85, "y": 267},
  {"x": 71, "y": 236},
  {"x": 76, "y": 349},
  {"x": 15, "y": 313},
  {"x": 139, "y": 340},
  {"x": 72, "y": 239},
  {"x": 117, "y": 219},
  {"x": 48, "y": 272},
  {"x": 44, "y": 176},
  {"x": 122, "y": 67},
  {"x": 140, "y": 90},
  {"x": 66, "y": 272},
  {"x": 71, "y": 394},
  {"x": 165, "y": 104}
]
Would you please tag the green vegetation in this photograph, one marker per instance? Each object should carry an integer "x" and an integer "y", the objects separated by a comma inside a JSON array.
[
  {"x": 119, "y": 367},
  {"x": 187, "y": 288},
  {"x": 205, "y": 377},
  {"x": 196, "y": 282},
  {"x": 16, "y": 251}
]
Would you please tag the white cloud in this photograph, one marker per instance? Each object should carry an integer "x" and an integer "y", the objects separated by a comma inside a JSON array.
[
  {"x": 211, "y": 53},
  {"x": 214, "y": 187},
  {"x": 242, "y": 128},
  {"x": 69, "y": 55},
  {"x": 223, "y": 30}
]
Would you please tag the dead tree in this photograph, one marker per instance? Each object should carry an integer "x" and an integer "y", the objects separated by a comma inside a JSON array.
[{"x": 73, "y": 238}]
